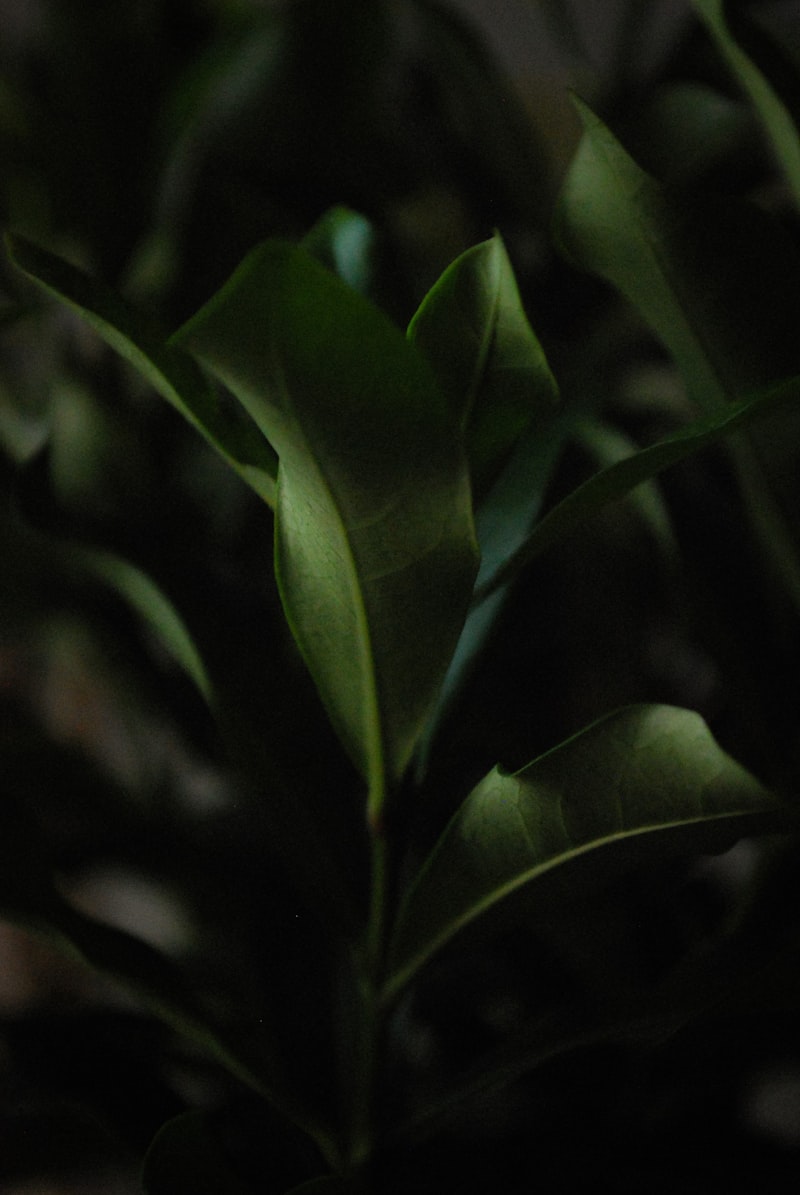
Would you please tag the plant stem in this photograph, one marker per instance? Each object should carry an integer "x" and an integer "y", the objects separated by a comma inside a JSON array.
[{"x": 370, "y": 981}]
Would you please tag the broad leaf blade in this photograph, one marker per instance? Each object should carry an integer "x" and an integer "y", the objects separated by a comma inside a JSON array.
[
  {"x": 171, "y": 372},
  {"x": 488, "y": 362},
  {"x": 375, "y": 547},
  {"x": 647, "y": 776},
  {"x": 718, "y": 281},
  {"x": 774, "y": 115}
]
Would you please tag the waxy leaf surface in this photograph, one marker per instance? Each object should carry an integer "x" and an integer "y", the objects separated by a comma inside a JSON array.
[
  {"x": 375, "y": 546},
  {"x": 646, "y": 776}
]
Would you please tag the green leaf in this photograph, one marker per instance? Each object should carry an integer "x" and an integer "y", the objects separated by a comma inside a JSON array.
[
  {"x": 646, "y": 777},
  {"x": 152, "y": 604},
  {"x": 618, "y": 480},
  {"x": 375, "y": 547},
  {"x": 718, "y": 281},
  {"x": 488, "y": 362},
  {"x": 344, "y": 242},
  {"x": 774, "y": 115},
  {"x": 171, "y": 372},
  {"x": 504, "y": 521}
]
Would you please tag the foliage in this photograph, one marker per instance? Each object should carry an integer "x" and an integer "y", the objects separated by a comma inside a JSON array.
[{"x": 519, "y": 514}]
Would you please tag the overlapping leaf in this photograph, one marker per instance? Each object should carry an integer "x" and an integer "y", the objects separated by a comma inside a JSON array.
[
  {"x": 621, "y": 478},
  {"x": 488, "y": 361},
  {"x": 644, "y": 776},
  {"x": 375, "y": 547},
  {"x": 171, "y": 372}
]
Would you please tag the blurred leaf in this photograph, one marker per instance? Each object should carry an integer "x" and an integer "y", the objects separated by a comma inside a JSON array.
[
  {"x": 477, "y": 124},
  {"x": 620, "y": 479},
  {"x": 609, "y": 446},
  {"x": 644, "y": 777},
  {"x": 186, "y": 1158},
  {"x": 145, "y": 597},
  {"x": 171, "y": 372},
  {"x": 777, "y": 121},
  {"x": 344, "y": 242},
  {"x": 375, "y": 549},
  {"x": 489, "y": 364},
  {"x": 688, "y": 130},
  {"x": 718, "y": 281}
]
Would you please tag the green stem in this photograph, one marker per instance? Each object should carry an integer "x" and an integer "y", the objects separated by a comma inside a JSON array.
[{"x": 372, "y": 1018}]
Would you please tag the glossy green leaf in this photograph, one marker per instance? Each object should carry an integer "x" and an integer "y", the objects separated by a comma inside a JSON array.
[
  {"x": 621, "y": 478},
  {"x": 644, "y": 777},
  {"x": 775, "y": 117},
  {"x": 344, "y": 241},
  {"x": 375, "y": 547},
  {"x": 489, "y": 363},
  {"x": 171, "y": 372},
  {"x": 717, "y": 280}
]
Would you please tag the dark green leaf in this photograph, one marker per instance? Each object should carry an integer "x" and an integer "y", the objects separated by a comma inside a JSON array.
[
  {"x": 619, "y": 479},
  {"x": 171, "y": 372},
  {"x": 151, "y": 603},
  {"x": 645, "y": 777},
  {"x": 487, "y": 360},
  {"x": 375, "y": 548},
  {"x": 718, "y": 281},
  {"x": 775, "y": 117},
  {"x": 503, "y": 522}
]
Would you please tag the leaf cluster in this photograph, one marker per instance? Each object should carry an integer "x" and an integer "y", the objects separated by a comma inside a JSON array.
[{"x": 423, "y": 696}]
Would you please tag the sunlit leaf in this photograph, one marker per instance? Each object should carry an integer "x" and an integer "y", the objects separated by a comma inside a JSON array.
[
  {"x": 375, "y": 548},
  {"x": 645, "y": 778},
  {"x": 171, "y": 372}
]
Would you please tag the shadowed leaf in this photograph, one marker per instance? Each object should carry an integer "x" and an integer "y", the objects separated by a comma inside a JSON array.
[
  {"x": 375, "y": 548},
  {"x": 644, "y": 778},
  {"x": 171, "y": 372}
]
